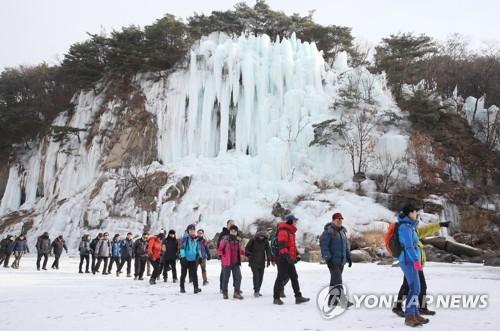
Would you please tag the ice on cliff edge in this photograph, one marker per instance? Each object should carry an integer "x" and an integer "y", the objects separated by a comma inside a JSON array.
[{"x": 237, "y": 119}]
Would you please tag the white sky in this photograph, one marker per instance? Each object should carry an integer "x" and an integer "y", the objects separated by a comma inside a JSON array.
[{"x": 33, "y": 31}]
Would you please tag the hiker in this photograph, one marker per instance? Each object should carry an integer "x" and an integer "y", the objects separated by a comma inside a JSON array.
[
  {"x": 93, "y": 245},
  {"x": 84, "y": 249},
  {"x": 6, "y": 247},
  {"x": 116, "y": 246},
  {"x": 154, "y": 253},
  {"x": 205, "y": 255},
  {"x": 19, "y": 248},
  {"x": 57, "y": 248},
  {"x": 336, "y": 252},
  {"x": 42, "y": 250},
  {"x": 140, "y": 253},
  {"x": 127, "y": 251},
  {"x": 275, "y": 253},
  {"x": 258, "y": 252},
  {"x": 223, "y": 233},
  {"x": 424, "y": 231},
  {"x": 103, "y": 252},
  {"x": 410, "y": 263},
  {"x": 286, "y": 260},
  {"x": 189, "y": 253},
  {"x": 170, "y": 254},
  {"x": 230, "y": 253}
]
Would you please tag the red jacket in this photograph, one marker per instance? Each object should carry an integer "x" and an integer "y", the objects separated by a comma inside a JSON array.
[
  {"x": 230, "y": 251},
  {"x": 154, "y": 248},
  {"x": 286, "y": 240}
]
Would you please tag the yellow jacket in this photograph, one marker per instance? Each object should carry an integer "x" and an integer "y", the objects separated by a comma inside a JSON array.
[{"x": 423, "y": 232}]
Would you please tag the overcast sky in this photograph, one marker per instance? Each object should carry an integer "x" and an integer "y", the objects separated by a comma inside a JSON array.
[{"x": 33, "y": 31}]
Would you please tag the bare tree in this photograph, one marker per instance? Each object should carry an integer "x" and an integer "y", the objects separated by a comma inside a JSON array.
[{"x": 391, "y": 167}]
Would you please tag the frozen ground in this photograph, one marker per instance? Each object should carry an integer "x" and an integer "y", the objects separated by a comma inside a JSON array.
[{"x": 66, "y": 300}]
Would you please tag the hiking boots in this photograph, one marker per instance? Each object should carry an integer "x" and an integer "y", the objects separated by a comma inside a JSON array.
[
  {"x": 197, "y": 290},
  {"x": 237, "y": 295},
  {"x": 277, "y": 302},
  {"x": 422, "y": 320},
  {"x": 301, "y": 299},
  {"x": 399, "y": 312},
  {"x": 225, "y": 296},
  {"x": 425, "y": 311},
  {"x": 183, "y": 290},
  {"x": 257, "y": 294},
  {"x": 412, "y": 321},
  {"x": 152, "y": 281}
]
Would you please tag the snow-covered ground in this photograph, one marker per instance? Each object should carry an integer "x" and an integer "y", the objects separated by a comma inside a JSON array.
[{"x": 66, "y": 300}]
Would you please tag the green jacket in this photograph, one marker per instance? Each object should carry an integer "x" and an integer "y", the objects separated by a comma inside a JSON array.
[{"x": 423, "y": 232}]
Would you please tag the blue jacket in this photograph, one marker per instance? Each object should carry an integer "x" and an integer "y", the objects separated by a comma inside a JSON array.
[
  {"x": 190, "y": 248},
  {"x": 126, "y": 248},
  {"x": 21, "y": 246},
  {"x": 334, "y": 245},
  {"x": 116, "y": 248},
  {"x": 204, "y": 249},
  {"x": 408, "y": 237}
]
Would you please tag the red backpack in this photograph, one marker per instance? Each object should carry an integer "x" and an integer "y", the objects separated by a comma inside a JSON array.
[{"x": 391, "y": 240}]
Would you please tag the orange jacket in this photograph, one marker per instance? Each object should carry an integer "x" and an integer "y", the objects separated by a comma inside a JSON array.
[{"x": 154, "y": 248}]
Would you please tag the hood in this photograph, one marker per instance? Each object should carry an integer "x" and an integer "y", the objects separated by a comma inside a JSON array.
[{"x": 407, "y": 219}]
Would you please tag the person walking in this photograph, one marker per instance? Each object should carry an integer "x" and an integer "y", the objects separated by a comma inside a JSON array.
[
  {"x": 171, "y": 252},
  {"x": 140, "y": 253},
  {"x": 93, "y": 245},
  {"x": 189, "y": 253},
  {"x": 155, "y": 246},
  {"x": 258, "y": 252},
  {"x": 116, "y": 246},
  {"x": 287, "y": 257},
  {"x": 43, "y": 250},
  {"x": 20, "y": 247},
  {"x": 336, "y": 252},
  {"x": 58, "y": 245},
  {"x": 410, "y": 263},
  {"x": 205, "y": 255},
  {"x": 84, "y": 250},
  {"x": 230, "y": 252},
  {"x": 6, "y": 247},
  {"x": 127, "y": 251},
  {"x": 103, "y": 252}
]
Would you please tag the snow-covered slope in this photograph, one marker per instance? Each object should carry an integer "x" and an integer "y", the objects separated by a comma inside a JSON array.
[{"x": 231, "y": 135}]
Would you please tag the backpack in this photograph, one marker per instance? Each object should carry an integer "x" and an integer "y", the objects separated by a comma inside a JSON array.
[
  {"x": 275, "y": 249},
  {"x": 391, "y": 240}
]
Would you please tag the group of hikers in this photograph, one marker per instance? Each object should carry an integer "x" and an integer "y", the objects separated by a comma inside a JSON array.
[{"x": 161, "y": 252}]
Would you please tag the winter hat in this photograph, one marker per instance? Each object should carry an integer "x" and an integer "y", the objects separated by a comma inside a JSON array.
[
  {"x": 337, "y": 216},
  {"x": 171, "y": 232},
  {"x": 291, "y": 218},
  {"x": 233, "y": 227},
  {"x": 161, "y": 236},
  {"x": 191, "y": 227}
]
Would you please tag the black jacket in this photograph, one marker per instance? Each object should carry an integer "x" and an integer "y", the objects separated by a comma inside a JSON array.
[
  {"x": 223, "y": 233},
  {"x": 93, "y": 244},
  {"x": 58, "y": 245},
  {"x": 171, "y": 249},
  {"x": 43, "y": 245},
  {"x": 258, "y": 252},
  {"x": 6, "y": 246},
  {"x": 140, "y": 248}
]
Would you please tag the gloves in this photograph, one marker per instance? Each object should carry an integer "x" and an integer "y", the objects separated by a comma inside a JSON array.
[
  {"x": 298, "y": 259},
  {"x": 418, "y": 266},
  {"x": 444, "y": 224},
  {"x": 349, "y": 263},
  {"x": 268, "y": 264}
]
